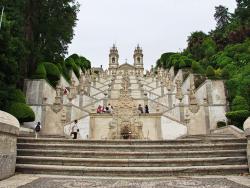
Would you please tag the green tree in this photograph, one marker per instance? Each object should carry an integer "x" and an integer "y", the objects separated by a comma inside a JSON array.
[
  {"x": 242, "y": 11},
  {"x": 222, "y": 16},
  {"x": 195, "y": 41}
]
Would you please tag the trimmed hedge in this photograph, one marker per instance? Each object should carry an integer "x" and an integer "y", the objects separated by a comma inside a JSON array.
[
  {"x": 70, "y": 63},
  {"x": 53, "y": 73},
  {"x": 40, "y": 72},
  {"x": 238, "y": 117},
  {"x": 16, "y": 95},
  {"x": 22, "y": 112}
]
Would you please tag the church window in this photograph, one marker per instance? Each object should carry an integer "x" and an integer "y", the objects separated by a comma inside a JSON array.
[
  {"x": 113, "y": 60},
  {"x": 138, "y": 59}
]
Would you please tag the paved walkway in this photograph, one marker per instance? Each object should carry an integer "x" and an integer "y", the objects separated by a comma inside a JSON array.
[{"x": 48, "y": 181}]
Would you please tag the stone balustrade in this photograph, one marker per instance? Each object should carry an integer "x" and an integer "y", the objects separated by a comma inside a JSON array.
[
  {"x": 247, "y": 134},
  {"x": 9, "y": 130}
]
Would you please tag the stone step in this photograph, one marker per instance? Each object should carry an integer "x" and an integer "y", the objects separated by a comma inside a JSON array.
[
  {"x": 132, "y": 155},
  {"x": 180, "y": 147},
  {"x": 94, "y": 162},
  {"x": 228, "y": 136},
  {"x": 132, "y": 171},
  {"x": 32, "y": 136},
  {"x": 128, "y": 142}
]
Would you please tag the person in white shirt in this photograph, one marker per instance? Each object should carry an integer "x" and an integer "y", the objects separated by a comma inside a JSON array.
[{"x": 75, "y": 129}]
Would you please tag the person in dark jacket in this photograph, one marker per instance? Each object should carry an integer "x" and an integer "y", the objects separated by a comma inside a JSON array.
[
  {"x": 146, "y": 109},
  {"x": 37, "y": 128},
  {"x": 140, "y": 109}
]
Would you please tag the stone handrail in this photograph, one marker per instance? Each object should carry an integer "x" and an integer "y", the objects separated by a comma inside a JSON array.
[
  {"x": 230, "y": 129},
  {"x": 159, "y": 104},
  {"x": 173, "y": 119},
  {"x": 93, "y": 103},
  {"x": 84, "y": 116}
]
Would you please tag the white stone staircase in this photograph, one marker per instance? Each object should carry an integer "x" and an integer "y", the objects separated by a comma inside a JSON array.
[{"x": 129, "y": 158}]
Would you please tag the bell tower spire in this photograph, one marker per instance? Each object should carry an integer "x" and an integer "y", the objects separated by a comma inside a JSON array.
[
  {"x": 138, "y": 59},
  {"x": 113, "y": 59}
]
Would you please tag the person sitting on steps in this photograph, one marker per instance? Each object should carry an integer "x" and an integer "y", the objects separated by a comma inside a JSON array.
[{"x": 140, "y": 109}]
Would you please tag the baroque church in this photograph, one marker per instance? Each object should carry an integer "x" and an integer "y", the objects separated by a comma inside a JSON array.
[{"x": 180, "y": 103}]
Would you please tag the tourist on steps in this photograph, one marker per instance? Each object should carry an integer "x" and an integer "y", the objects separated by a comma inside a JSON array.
[
  {"x": 75, "y": 130},
  {"x": 99, "y": 109},
  {"x": 146, "y": 109},
  {"x": 37, "y": 128},
  {"x": 140, "y": 109}
]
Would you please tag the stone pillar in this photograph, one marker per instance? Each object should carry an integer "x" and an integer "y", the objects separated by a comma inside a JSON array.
[
  {"x": 170, "y": 101},
  {"x": 109, "y": 91},
  {"x": 162, "y": 89},
  {"x": 9, "y": 130},
  {"x": 157, "y": 82},
  {"x": 209, "y": 92},
  {"x": 98, "y": 77},
  {"x": 88, "y": 89},
  {"x": 207, "y": 121},
  {"x": 246, "y": 127},
  {"x": 81, "y": 100},
  {"x": 94, "y": 81},
  {"x": 105, "y": 102},
  {"x": 181, "y": 105},
  {"x": 145, "y": 99},
  {"x": 142, "y": 90}
]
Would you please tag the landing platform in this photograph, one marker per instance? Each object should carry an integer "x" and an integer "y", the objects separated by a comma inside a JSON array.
[{"x": 49, "y": 181}]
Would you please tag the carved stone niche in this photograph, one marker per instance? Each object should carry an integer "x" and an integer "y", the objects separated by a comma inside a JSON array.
[
  {"x": 57, "y": 105},
  {"x": 193, "y": 104}
]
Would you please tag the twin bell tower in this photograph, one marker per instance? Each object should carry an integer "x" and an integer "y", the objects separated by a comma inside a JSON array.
[{"x": 114, "y": 60}]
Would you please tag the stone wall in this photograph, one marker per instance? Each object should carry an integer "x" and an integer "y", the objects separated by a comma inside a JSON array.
[
  {"x": 39, "y": 92},
  {"x": 9, "y": 130},
  {"x": 172, "y": 129},
  {"x": 99, "y": 126}
]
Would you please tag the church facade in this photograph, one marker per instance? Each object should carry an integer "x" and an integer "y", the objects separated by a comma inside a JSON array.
[{"x": 116, "y": 68}]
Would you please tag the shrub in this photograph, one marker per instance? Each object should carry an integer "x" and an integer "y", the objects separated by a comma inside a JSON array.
[
  {"x": 53, "y": 73},
  {"x": 182, "y": 64},
  {"x": 217, "y": 73},
  {"x": 210, "y": 72},
  {"x": 70, "y": 63},
  {"x": 221, "y": 124},
  {"x": 22, "y": 112},
  {"x": 196, "y": 67},
  {"x": 40, "y": 72},
  {"x": 16, "y": 95},
  {"x": 238, "y": 117},
  {"x": 59, "y": 67},
  {"x": 239, "y": 103}
]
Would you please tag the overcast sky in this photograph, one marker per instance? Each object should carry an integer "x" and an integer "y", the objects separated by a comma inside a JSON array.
[{"x": 157, "y": 25}]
